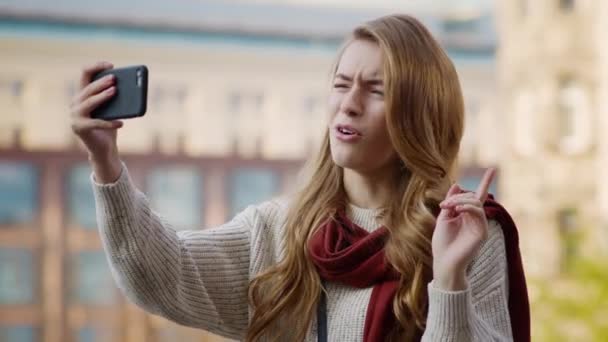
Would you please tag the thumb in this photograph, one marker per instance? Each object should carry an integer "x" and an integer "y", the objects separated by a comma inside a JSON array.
[{"x": 108, "y": 124}]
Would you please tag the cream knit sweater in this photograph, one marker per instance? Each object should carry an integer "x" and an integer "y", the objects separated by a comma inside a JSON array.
[{"x": 199, "y": 278}]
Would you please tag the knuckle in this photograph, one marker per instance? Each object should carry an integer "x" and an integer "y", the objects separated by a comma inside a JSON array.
[
  {"x": 86, "y": 90},
  {"x": 88, "y": 102}
]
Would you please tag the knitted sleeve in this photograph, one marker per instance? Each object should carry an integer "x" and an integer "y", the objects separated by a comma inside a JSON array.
[
  {"x": 479, "y": 313},
  {"x": 196, "y": 278}
]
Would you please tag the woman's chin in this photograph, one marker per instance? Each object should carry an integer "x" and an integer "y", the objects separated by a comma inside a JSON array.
[{"x": 346, "y": 162}]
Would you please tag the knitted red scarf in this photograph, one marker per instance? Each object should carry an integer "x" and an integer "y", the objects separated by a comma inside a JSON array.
[{"x": 346, "y": 253}]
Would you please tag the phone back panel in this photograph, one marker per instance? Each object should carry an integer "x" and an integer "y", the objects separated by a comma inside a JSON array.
[{"x": 130, "y": 98}]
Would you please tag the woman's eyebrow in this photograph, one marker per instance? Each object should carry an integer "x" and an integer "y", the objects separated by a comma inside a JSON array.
[
  {"x": 344, "y": 77},
  {"x": 372, "y": 82}
]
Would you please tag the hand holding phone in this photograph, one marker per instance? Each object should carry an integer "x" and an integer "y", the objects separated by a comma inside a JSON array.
[
  {"x": 130, "y": 99},
  {"x": 98, "y": 135}
]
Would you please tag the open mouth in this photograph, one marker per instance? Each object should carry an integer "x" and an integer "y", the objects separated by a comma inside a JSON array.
[
  {"x": 347, "y": 134},
  {"x": 347, "y": 130}
]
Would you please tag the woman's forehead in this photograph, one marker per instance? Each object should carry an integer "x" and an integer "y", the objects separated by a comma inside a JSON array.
[{"x": 361, "y": 57}]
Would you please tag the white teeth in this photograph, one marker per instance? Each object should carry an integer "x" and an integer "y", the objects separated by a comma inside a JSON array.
[{"x": 346, "y": 131}]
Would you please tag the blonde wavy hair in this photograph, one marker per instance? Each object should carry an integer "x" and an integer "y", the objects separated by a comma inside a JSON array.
[{"x": 424, "y": 113}]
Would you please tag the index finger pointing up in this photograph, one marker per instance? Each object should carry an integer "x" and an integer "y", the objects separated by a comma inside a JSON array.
[{"x": 484, "y": 185}]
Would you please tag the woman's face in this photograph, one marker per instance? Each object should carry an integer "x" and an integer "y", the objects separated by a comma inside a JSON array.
[{"x": 357, "y": 125}]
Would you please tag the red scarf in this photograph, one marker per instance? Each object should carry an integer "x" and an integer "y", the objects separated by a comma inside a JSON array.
[{"x": 346, "y": 253}]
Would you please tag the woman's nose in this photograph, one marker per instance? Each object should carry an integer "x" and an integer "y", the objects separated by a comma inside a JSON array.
[{"x": 351, "y": 103}]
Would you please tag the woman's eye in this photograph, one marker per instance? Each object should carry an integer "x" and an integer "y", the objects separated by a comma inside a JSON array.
[{"x": 340, "y": 85}]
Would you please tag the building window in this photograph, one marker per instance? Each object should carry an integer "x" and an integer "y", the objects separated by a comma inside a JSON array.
[
  {"x": 87, "y": 334},
  {"x": 19, "y": 189},
  {"x": 567, "y": 5},
  {"x": 573, "y": 116},
  {"x": 171, "y": 97},
  {"x": 17, "y": 333},
  {"x": 244, "y": 109},
  {"x": 245, "y": 102},
  {"x": 17, "y": 276},
  {"x": 90, "y": 333},
  {"x": 11, "y": 88},
  {"x": 569, "y": 232},
  {"x": 524, "y": 7},
  {"x": 91, "y": 280},
  {"x": 157, "y": 96},
  {"x": 251, "y": 186},
  {"x": 235, "y": 100},
  {"x": 257, "y": 101},
  {"x": 525, "y": 126},
  {"x": 81, "y": 203},
  {"x": 566, "y": 107},
  {"x": 175, "y": 193},
  {"x": 460, "y": 25}
]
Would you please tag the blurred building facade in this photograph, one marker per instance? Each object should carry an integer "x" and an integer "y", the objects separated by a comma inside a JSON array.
[
  {"x": 234, "y": 108},
  {"x": 552, "y": 69}
]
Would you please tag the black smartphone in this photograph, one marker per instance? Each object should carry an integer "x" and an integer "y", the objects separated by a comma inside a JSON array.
[{"x": 131, "y": 97}]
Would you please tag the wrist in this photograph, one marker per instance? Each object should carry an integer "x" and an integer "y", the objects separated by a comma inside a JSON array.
[
  {"x": 102, "y": 155},
  {"x": 106, "y": 167},
  {"x": 454, "y": 281}
]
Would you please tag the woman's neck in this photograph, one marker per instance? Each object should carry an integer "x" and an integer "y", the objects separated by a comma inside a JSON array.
[{"x": 371, "y": 190}]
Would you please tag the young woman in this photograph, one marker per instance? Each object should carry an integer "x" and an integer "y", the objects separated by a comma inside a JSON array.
[{"x": 378, "y": 244}]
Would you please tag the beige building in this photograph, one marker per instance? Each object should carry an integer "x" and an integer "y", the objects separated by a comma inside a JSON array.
[
  {"x": 232, "y": 113},
  {"x": 552, "y": 69},
  {"x": 599, "y": 32}
]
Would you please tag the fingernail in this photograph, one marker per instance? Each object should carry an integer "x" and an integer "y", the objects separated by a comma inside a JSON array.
[{"x": 110, "y": 90}]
